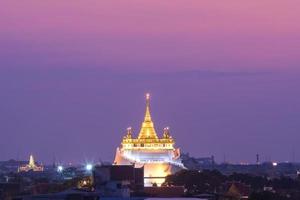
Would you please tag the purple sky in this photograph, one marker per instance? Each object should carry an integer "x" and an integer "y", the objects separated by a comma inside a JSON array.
[{"x": 225, "y": 77}]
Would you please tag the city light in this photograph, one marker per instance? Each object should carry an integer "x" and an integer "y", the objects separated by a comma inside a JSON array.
[
  {"x": 89, "y": 167},
  {"x": 60, "y": 168},
  {"x": 274, "y": 164}
]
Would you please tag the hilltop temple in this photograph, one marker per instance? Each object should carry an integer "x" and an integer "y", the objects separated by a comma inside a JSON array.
[
  {"x": 157, "y": 155},
  {"x": 31, "y": 166}
]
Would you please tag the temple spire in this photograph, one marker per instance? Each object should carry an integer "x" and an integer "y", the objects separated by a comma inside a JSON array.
[
  {"x": 147, "y": 131},
  {"x": 147, "y": 114},
  {"x": 31, "y": 161}
]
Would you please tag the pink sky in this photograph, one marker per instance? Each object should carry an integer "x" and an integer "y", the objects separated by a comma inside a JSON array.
[
  {"x": 225, "y": 76},
  {"x": 156, "y": 35}
]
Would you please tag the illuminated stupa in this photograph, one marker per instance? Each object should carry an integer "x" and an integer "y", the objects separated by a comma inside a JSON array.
[
  {"x": 31, "y": 166},
  {"x": 157, "y": 155}
]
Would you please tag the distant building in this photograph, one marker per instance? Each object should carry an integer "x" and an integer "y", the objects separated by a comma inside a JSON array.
[
  {"x": 118, "y": 180},
  {"x": 157, "y": 155},
  {"x": 197, "y": 163},
  {"x": 237, "y": 190},
  {"x": 10, "y": 165},
  {"x": 8, "y": 190},
  {"x": 163, "y": 191},
  {"x": 65, "y": 195},
  {"x": 31, "y": 166}
]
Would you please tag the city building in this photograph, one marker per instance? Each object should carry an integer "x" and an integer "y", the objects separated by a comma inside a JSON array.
[
  {"x": 236, "y": 190},
  {"x": 157, "y": 155},
  {"x": 118, "y": 180},
  {"x": 71, "y": 194},
  {"x": 31, "y": 166}
]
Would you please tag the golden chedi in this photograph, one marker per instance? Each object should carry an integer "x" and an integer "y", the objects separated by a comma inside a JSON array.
[
  {"x": 157, "y": 155},
  {"x": 31, "y": 166}
]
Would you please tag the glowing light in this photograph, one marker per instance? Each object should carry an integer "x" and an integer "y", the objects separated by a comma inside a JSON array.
[
  {"x": 156, "y": 155},
  {"x": 274, "y": 164},
  {"x": 60, "y": 168},
  {"x": 31, "y": 166},
  {"x": 89, "y": 167},
  {"x": 31, "y": 161}
]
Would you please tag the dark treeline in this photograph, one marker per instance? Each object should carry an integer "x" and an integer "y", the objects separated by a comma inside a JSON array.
[{"x": 214, "y": 182}]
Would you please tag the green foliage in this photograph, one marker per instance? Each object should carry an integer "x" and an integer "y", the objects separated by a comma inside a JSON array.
[
  {"x": 267, "y": 196},
  {"x": 197, "y": 182},
  {"x": 256, "y": 182}
]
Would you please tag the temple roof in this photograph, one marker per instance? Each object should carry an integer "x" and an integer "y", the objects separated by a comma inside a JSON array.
[
  {"x": 30, "y": 166},
  {"x": 147, "y": 130}
]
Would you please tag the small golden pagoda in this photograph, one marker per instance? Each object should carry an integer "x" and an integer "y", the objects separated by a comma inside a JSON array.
[
  {"x": 31, "y": 166},
  {"x": 157, "y": 155}
]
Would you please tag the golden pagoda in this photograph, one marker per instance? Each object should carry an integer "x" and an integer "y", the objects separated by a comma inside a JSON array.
[
  {"x": 157, "y": 155},
  {"x": 31, "y": 166}
]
